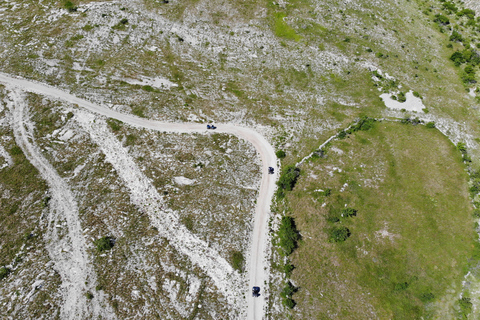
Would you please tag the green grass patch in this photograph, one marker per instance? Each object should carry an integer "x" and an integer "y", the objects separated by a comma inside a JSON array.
[
  {"x": 282, "y": 29},
  {"x": 410, "y": 241}
]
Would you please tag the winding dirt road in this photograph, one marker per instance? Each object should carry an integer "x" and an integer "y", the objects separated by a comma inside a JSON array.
[{"x": 258, "y": 266}]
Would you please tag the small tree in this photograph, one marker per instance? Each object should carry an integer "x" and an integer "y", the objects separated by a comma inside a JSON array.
[
  {"x": 338, "y": 234},
  {"x": 70, "y": 6},
  {"x": 280, "y": 154},
  {"x": 237, "y": 261},
  {"x": 287, "y": 294},
  {"x": 104, "y": 243},
  {"x": 287, "y": 235},
  {"x": 287, "y": 180},
  {"x": 349, "y": 212},
  {"x": 4, "y": 272}
]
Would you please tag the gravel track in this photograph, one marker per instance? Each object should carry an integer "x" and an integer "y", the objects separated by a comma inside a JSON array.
[
  {"x": 68, "y": 252},
  {"x": 258, "y": 264}
]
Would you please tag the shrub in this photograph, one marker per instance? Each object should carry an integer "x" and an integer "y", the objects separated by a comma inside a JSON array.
[
  {"x": 349, "y": 212},
  {"x": 476, "y": 213},
  {"x": 124, "y": 21},
  {"x": 427, "y": 296},
  {"x": 465, "y": 306},
  {"x": 413, "y": 121},
  {"x": 462, "y": 147},
  {"x": 287, "y": 180},
  {"x": 237, "y": 261},
  {"x": 4, "y": 272},
  {"x": 430, "y": 125},
  {"x": 469, "y": 13},
  {"x": 89, "y": 295},
  {"x": 401, "y": 97},
  {"x": 280, "y": 154},
  {"x": 148, "y": 88},
  {"x": 333, "y": 217},
  {"x": 70, "y": 6},
  {"x": 365, "y": 123},
  {"x": 449, "y": 6},
  {"x": 289, "y": 303},
  {"x": 342, "y": 134},
  {"x": 456, "y": 37},
  {"x": 288, "y": 268},
  {"x": 401, "y": 286},
  {"x": 338, "y": 234},
  {"x": 45, "y": 201},
  {"x": 287, "y": 235},
  {"x": 416, "y": 94},
  {"x": 114, "y": 124},
  {"x": 131, "y": 138},
  {"x": 441, "y": 19},
  {"x": 104, "y": 243},
  {"x": 15, "y": 151},
  {"x": 287, "y": 294}
]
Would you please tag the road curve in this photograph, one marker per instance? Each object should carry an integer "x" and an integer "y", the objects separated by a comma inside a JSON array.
[{"x": 258, "y": 266}]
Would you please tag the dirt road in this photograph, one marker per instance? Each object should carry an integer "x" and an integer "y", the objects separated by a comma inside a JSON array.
[{"x": 258, "y": 266}]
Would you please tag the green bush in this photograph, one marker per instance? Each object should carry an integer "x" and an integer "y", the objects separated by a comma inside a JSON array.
[
  {"x": 465, "y": 306},
  {"x": 456, "y": 37},
  {"x": 338, "y": 234},
  {"x": 333, "y": 217},
  {"x": 441, "y": 19},
  {"x": 365, "y": 123},
  {"x": 342, "y": 134},
  {"x": 280, "y": 154},
  {"x": 237, "y": 260},
  {"x": 287, "y": 180},
  {"x": 401, "y": 286},
  {"x": 287, "y": 269},
  {"x": 288, "y": 236},
  {"x": 462, "y": 147},
  {"x": 114, "y": 124},
  {"x": 288, "y": 290},
  {"x": 427, "y": 297},
  {"x": 104, "y": 243},
  {"x": 45, "y": 201},
  {"x": 70, "y": 6},
  {"x": 15, "y": 151},
  {"x": 401, "y": 97},
  {"x": 457, "y": 58},
  {"x": 4, "y": 272},
  {"x": 430, "y": 125},
  {"x": 449, "y": 6},
  {"x": 348, "y": 212},
  {"x": 476, "y": 213},
  {"x": 131, "y": 138},
  {"x": 148, "y": 88}
]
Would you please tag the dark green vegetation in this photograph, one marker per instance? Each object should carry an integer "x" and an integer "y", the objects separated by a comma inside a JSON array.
[
  {"x": 237, "y": 261},
  {"x": 287, "y": 236},
  {"x": 4, "y": 272},
  {"x": 104, "y": 243},
  {"x": 287, "y": 180},
  {"x": 407, "y": 185}
]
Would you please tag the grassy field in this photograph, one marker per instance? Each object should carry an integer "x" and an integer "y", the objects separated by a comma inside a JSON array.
[{"x": 412, "y": 235}]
